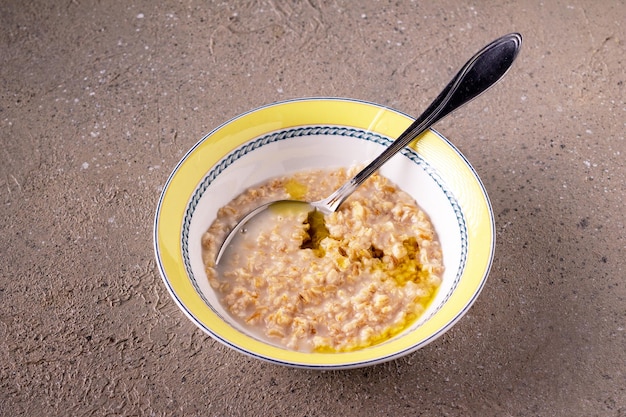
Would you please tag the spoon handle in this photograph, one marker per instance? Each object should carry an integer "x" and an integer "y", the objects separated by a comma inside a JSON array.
[{"x": 482, "y": 71}]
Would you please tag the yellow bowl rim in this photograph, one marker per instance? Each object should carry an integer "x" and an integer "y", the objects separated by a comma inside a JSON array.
[{"x": 481, "y": 228}]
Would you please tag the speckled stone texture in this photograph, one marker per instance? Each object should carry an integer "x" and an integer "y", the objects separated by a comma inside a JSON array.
[{"x": 100, "y": 100}]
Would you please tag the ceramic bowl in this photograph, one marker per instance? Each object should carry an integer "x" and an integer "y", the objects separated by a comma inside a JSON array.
[{"x": 312, "y": 133}]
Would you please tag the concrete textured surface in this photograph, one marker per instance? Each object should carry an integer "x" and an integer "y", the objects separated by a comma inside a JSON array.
[{"x": 101, "y": 99}]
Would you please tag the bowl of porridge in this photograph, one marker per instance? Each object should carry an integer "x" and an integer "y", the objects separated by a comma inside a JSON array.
[{"x": 395, "y": 267}]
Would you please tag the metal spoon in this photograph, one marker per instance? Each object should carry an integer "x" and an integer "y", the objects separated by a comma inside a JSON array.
[{"x": 482, "y": 71}]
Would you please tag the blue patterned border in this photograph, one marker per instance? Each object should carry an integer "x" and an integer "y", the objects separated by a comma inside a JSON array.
[{"x": 301, "y": 132}]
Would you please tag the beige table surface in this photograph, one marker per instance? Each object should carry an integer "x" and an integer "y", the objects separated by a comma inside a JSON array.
[{"x": 101, "y": 99}]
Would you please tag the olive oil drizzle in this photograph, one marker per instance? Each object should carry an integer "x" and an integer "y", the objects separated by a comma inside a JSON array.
[
  {"x": 316, "y": 232},
  {"x": 403, "y": 270}
]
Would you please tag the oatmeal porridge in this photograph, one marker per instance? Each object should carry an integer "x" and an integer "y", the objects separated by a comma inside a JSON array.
[{"x": 326, "y": 283}]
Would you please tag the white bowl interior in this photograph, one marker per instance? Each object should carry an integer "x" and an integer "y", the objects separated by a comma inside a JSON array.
[{"x": 278, "y": 154}]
